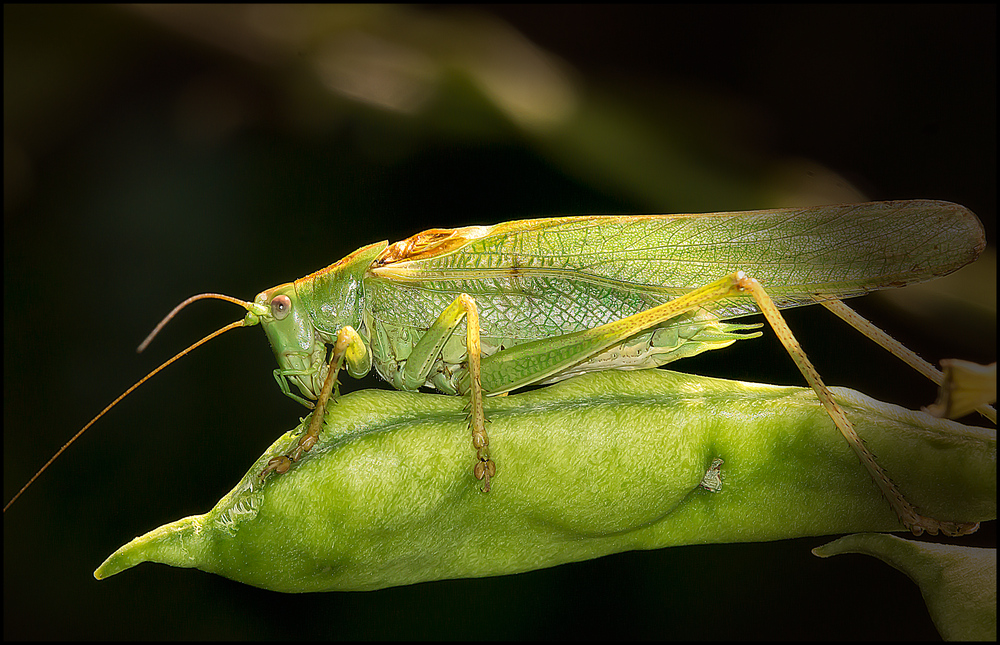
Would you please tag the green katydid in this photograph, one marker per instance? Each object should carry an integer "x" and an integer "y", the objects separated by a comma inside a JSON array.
[{"x": 545, "y": 299}]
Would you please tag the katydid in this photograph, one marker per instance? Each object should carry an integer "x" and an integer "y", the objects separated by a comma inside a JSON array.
[{"x": 537, "y": 301}]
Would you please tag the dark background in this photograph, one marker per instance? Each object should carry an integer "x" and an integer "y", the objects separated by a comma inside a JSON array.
[{"x": 153, "y": 154}]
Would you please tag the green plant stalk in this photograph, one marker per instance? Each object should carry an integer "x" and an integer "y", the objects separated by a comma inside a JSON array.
[{"x": 599, "y": 464}]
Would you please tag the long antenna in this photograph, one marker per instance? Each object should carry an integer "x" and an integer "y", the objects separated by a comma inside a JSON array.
[
  {"x": 201, "y": 296},
  {"x": 238, "y": 323}
]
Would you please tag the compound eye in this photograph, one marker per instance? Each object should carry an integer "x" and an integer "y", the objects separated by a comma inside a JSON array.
[{"x": 281, "y": 306}]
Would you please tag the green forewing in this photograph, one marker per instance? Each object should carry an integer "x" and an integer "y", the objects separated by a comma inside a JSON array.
[{"x": 539, "y": 278}]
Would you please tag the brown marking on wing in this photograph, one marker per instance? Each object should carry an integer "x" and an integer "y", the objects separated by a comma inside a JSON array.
[
  {"x": 429, "y": 243},
  {"x": 516, "y": 275}
]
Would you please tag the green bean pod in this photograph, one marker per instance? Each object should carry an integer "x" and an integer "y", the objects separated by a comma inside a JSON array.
[
  {"x": 958, "y": 583},
  {"x": 599, "y": 464}
]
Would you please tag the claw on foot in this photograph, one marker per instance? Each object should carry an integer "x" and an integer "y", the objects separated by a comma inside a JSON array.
[
  {"x": 281, "y": 464},
  {"x": 951, "y": 529},
  {"x": 485, "y": 469},
  {"x": 277, "y": 465}
]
